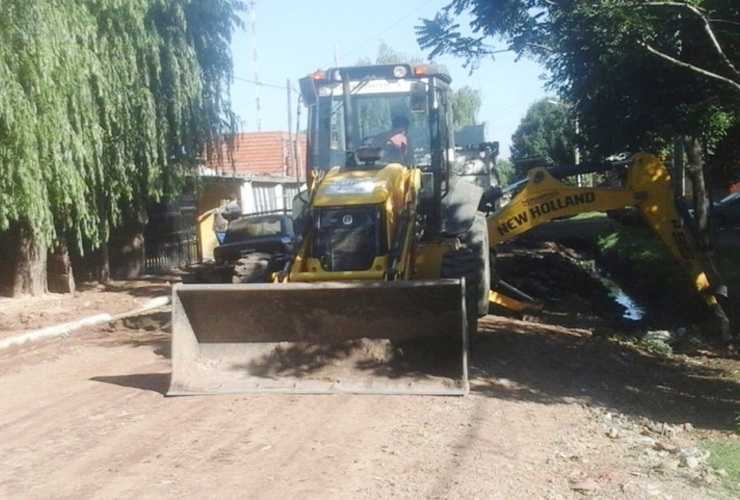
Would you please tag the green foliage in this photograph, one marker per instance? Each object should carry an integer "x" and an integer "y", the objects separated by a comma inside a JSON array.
[
  {"x": 725, "y": 455},
  {"x": 387, "y": 55},
  {"x": 725, "y": 159},
  {"x": 506, "y": 173},
  {"x": 635, "y": 243},
  {"x": 587, "y": 216},
  {"x": 644, "y": 268},
  {"x": 657, "y": 347},
  {"x": 466, "y": 104},
  {"x": 546, "y": 132},
  {"x": 104, "y": 104},
  {"x": 636, "y": 73}
]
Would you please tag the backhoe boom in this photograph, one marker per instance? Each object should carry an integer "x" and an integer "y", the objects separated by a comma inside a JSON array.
[{"x": 649, "y": 188}]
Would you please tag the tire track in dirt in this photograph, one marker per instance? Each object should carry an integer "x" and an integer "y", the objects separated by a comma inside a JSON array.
[
  {"x": 87, "y": 419},
  {"x": 61, "y": 414}
]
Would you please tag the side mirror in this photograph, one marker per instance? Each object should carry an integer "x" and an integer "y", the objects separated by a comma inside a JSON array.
[{"x": 308, "y": 91}]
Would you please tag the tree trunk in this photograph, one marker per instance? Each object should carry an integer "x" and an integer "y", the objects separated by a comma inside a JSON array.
[
  {"x": 29, "y": 277},
  {"x": 695, "y": 172},
  {"x": 126, "y": 250},
  {"x": 104, "y": 268},
  {"x": 8, "y": 249},
  {"x": 717, "y": 322},
  {"x": 679, "y": 165},
  {"x": 60, "y": 275}
]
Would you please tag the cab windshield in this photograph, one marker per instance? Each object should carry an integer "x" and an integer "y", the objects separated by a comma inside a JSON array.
[{"x": 375, "y": 114}]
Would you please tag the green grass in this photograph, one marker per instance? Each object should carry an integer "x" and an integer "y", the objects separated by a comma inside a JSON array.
[
  {"x": 725, "y": 455},
  {"x": 634, "y": 243},
  {"x": 587, "y": 215},
  {"x": 648, "y": 258}
]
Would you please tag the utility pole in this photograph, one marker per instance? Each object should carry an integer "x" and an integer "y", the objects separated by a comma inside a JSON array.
[
  {"x": 291, "y": 138},
  {"x": 255, "y": 67}
]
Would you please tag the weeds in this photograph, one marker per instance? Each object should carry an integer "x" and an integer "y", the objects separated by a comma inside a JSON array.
[
  {"x": 654, "y": 346},
  {"x": 725, "y": 456}
]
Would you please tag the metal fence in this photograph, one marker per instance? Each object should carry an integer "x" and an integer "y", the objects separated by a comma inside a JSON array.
[{"x": 170, "y": 236}]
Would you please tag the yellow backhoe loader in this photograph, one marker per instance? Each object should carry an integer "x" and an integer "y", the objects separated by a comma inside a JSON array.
[{"x": 392, "y": 268}]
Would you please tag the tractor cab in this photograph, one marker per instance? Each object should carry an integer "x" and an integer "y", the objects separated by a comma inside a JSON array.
[{"x": 368, "y": 117}]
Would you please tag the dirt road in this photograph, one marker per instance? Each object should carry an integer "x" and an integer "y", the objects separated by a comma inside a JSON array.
[
  {"x": 559, "y": 409},
  {"x": 86, "y": 417}
]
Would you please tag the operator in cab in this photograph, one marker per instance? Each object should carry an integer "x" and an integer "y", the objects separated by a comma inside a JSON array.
[{"x": 395, "y": 143}]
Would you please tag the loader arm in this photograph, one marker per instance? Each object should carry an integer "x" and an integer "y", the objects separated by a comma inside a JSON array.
[{"x": 649, "y": 188}]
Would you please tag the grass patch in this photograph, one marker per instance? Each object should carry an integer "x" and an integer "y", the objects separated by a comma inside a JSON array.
[
  {"x": 587, "y": 215},
  {"x": 636, "y": 244},
  {"x": 725, "y": 455},
  {"x": 647, "y": 272}
]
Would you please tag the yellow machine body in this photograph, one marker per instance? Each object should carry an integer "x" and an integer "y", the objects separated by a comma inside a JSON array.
[{"x": 391, "y": 271}]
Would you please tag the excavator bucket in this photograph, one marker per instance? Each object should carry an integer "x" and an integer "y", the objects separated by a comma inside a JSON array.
[{"x": 403, "y": 337}]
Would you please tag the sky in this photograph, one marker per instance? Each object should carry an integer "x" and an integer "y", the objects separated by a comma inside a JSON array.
[{"x": 285, "y": 40}]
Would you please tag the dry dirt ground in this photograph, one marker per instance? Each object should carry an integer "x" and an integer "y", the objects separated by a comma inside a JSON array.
[{"x": 558, "y": 410}]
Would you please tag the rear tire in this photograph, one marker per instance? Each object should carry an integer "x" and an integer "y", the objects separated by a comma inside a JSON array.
[
  {"x": 254, "y": 268},
  {"x": 472, "y": 263},
  {"x": 476, "y": 239}
]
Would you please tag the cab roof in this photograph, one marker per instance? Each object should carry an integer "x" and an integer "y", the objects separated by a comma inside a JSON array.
[{"x": 387, "y": 71}]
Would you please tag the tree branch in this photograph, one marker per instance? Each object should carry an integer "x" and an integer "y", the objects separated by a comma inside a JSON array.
[
  {"x": 707, "y": 28},
  {"x": 690, "y": 66}
]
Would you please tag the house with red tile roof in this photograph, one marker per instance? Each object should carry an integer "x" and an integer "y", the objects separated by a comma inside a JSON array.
[
  {"x": 265, "y": 172},
  {"x": 270, "y": 153}
]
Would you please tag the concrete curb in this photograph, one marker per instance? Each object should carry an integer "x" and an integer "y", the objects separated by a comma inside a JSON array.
[{"x": 64, "y": 328}]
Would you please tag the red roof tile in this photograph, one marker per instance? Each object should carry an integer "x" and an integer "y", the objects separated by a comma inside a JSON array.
[{"x": 267, "y": 153}]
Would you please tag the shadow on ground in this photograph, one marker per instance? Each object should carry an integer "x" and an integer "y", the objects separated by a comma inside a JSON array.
[
  {"x": 519, "y": 360},
  {"x": 155, "y": 382}
]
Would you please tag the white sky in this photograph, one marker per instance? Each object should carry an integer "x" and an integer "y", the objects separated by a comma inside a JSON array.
[{"x": 292, "y": 38}]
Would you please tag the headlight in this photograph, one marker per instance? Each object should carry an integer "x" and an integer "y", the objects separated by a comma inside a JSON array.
[{"x": 399, "y": 71}]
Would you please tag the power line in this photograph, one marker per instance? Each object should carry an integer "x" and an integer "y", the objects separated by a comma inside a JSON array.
[
  {"x": 247, "y": 80},
  {"x": 386, "y": 29},
  {"x": 401, "y": 19},
  {"x": 283, "y": 87}
]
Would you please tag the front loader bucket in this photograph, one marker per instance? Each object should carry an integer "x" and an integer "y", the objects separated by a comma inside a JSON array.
[{"x": 403, "y": 337}]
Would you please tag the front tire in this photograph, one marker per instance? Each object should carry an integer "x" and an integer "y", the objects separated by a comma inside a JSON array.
[{"x": 463, "y": 263}]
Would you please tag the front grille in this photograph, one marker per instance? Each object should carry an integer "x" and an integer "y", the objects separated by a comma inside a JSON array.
[{"x": 348, "y": 239}]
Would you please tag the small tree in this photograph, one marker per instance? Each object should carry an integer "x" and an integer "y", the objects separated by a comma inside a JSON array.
[
  {"x": 466, "y": 104},
  {"x": 506, "y": 172},
  {"x": 546, "y": 135}
]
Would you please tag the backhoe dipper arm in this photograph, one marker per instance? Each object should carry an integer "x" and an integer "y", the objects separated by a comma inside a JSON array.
[{"x": 649, "y": 188}]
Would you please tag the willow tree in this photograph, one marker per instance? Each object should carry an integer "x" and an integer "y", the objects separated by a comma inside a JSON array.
[{"x": 103, "y": 105}]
